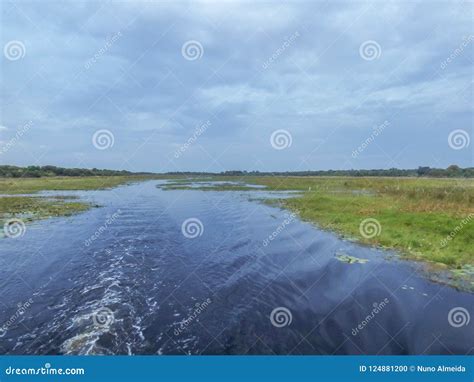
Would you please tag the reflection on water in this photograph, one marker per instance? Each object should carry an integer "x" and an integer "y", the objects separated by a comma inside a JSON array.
[{"x": 124, "y": 279}]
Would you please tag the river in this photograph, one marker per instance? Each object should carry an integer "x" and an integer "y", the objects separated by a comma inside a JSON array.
[{"x": 239, "y": 277}]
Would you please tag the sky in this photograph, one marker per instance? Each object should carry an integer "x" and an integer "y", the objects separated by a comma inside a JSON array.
[{"x": 218, "y": 85}]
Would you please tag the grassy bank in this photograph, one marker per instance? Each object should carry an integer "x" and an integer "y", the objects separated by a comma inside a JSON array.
[
  {"x": 33, "y": 185},
  {"x": 426, "y": 219},
  {"x": 32, "y": 207}
]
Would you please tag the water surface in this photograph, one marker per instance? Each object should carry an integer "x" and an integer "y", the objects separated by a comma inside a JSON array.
[{"x": 124, "y": 279}]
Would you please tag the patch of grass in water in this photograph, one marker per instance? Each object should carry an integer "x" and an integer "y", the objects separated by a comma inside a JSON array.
[
  {"x": 33, "y": 185},
  {"x": 33, "y": 208},
  {"x": 415, "y": 214},
  {"x": 206, "y": 187},
  {"x": 350, "y": 259},
  {"x": 466, "y": 270}
]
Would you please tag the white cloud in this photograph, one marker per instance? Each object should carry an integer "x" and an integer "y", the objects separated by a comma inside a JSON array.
[{"x": 142, "y": 87}]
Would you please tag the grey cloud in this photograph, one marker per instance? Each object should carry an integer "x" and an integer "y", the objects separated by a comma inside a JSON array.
[{"x": 265, "y": 66}]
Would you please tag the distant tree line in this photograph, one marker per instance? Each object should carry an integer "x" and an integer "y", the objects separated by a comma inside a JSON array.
[
  {"x": 450, "y": 172},
  {"x": 44, "y": 171}
]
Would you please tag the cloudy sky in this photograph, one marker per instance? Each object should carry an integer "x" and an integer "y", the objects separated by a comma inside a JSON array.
[{"x": 214, "y": 86}]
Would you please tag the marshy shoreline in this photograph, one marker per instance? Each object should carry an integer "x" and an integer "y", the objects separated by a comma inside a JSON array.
[
  {"x": 32, "y": 199},
  {"x": 422, "y": 219}
]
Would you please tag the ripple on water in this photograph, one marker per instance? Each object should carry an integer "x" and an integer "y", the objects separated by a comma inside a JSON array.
[{"x": 148, "y": 277}]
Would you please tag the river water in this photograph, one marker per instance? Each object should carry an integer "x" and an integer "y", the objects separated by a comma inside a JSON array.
[{"x": 240, "y": 277}]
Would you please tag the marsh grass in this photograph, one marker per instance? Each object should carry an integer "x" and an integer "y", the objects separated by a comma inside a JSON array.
[
  {"x": 33, "y": 185},
  {"x": 416, "y": 214},
  {"x": 30, "y": 207}
]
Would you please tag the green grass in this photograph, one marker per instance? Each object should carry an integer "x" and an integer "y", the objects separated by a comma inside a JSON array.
[
  {"x": 33, "y": 185},
  {"x": 415, "y": 214},
  {"x": 404, "y": 225},
  {"x": 33, "y": 207}
]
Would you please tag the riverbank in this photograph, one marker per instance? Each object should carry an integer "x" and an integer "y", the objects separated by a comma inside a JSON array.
[
  {"x": 423, "y": 218},
  {"x": 20, "y": 201}
]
